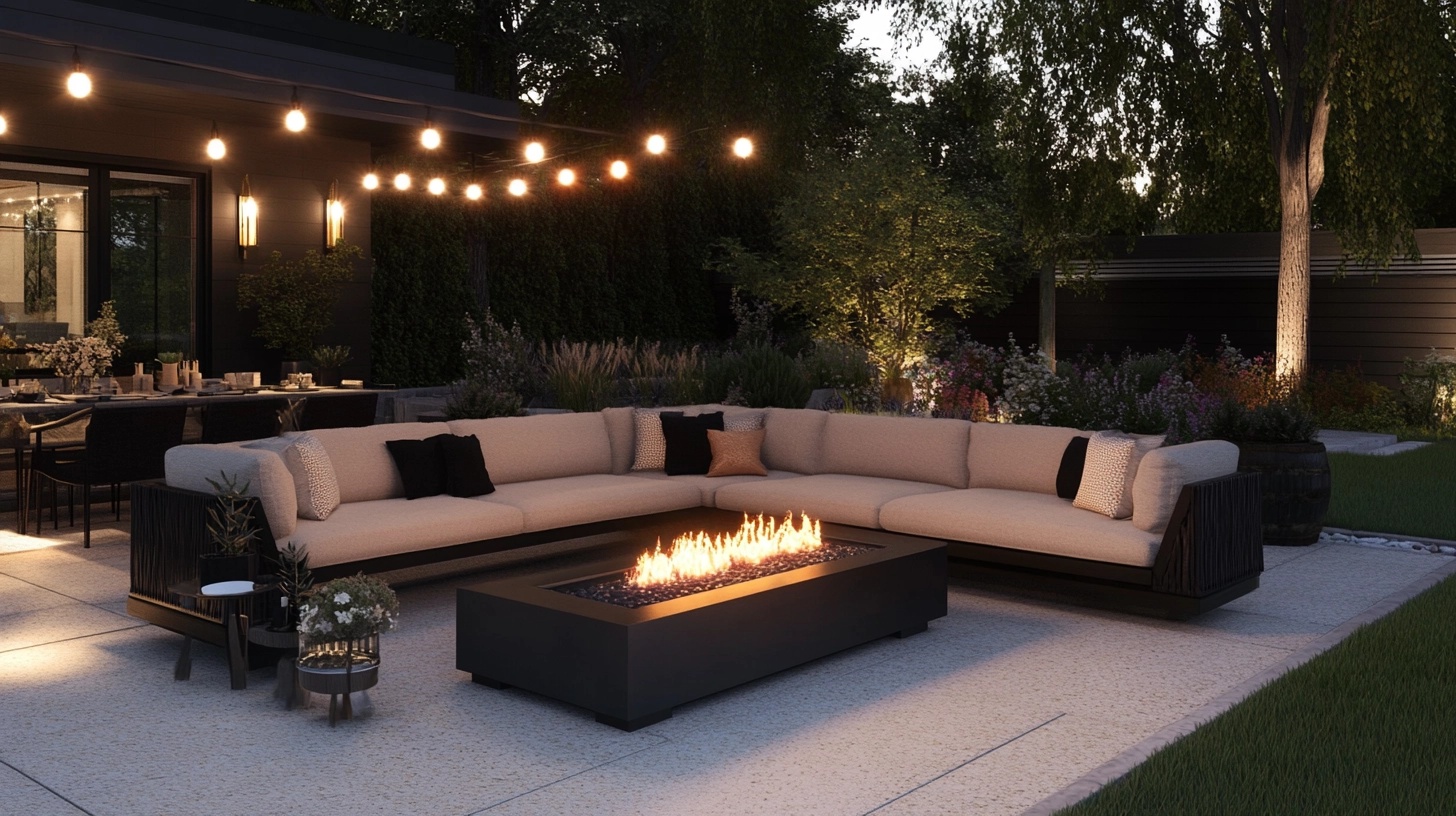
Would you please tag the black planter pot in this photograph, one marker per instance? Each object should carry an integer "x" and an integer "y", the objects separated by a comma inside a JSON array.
[
  {"x": 1296, "y": 487},
  {"x": 212, "y": 568}
]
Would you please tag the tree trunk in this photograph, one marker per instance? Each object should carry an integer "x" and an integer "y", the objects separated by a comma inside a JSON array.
[
  {"x": 1047, "y": 315},
  {"x": 1291, "y": 332}
]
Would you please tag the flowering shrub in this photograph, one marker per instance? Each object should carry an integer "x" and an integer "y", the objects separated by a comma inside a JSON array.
[
  {"x": 77, "y": 356},
  {"x": 347, "y": 609}
]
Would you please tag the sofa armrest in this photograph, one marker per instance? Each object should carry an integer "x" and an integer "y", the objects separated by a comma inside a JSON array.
[
  {"x": 264, "y": 472},
  {"x": 1215, "y": 538}
]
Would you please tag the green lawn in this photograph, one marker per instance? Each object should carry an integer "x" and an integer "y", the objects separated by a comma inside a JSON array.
[
  {"x": 1411, "y": 493},
  {"x": 1363, "y": 729}
]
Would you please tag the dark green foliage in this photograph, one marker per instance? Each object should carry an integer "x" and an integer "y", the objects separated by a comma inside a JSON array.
[
  {"x": 1287, "y": 419},
  {"x": 230, "y": 521},
  {"x": 759, "y": 376},
  {"x": 294, "y": 577},
  {"x": 295, "y": 298},
  {"x": 1357, "y": 730},
  {"x": 421, "y": 292}
]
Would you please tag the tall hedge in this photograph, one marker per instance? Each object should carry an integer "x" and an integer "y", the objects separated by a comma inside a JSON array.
[{"x": 595, "y": 261}]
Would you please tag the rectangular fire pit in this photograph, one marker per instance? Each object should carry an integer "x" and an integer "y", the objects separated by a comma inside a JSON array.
[{"x": 631, "y": 666}]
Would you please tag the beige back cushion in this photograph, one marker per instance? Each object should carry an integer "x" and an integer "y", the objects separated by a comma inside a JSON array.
[
  {"x": 267, "y": 477},
  {"x": 621, "y": 435},
  {"x": 1018, "y": 457},
  {"x": 1162, "y": 474},
  {"x": 913, "y": 448},
  {"x": 362, "y": 463},
  {"x": 523, "y": 449},
  {"x": 793, "y": 439}
]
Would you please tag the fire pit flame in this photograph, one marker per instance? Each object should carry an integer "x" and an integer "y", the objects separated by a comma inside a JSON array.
[{"x": 694, "y": 555}]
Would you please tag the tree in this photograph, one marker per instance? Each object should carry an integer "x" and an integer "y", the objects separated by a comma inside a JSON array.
[
  {"x": 1192, "y": 90},
  {"x": 870, "y": 247}
]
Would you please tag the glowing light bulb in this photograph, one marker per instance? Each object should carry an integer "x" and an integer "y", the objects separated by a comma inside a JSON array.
[
  {"x": 535, "y": 152},
  {"x": 295, "y": 120},
  {"x": 78, "y": 84},
  {"x": 436, "y": 186},
  {"x": 743, "y": 147},
  {"x": 618, "y": 169},
  {"x": 517, "y": 187},
  {"x": 4, "y": 126},
  {"x": 402, "y": 181},
  {"x": 216, "y": 150},
  {"x": 656, "y": 144},
  {"x": 566, "y": 177},
  {"x": 371, "y": 181},
  {"x": 430, "y": 138},
  {"x": 473, "y": 192}
]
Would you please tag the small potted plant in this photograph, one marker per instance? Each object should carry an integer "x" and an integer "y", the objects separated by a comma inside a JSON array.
[
  {"x": 230, "y": 528},
  {"x": 328, "y": 361},
  {"x": 339, "y": 623},
  {"x": 169, "y": 361},
  {"x": 294, "y": 580}
]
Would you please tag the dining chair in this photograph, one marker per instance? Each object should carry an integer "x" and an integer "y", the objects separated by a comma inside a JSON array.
[
  {"x": 340, "y": 411},
  {"x": 235, "y": 420},
  {"x": 122, "y": 444}
]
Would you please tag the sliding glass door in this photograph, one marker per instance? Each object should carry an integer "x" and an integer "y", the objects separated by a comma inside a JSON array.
[{"x": 153, "y": 258}]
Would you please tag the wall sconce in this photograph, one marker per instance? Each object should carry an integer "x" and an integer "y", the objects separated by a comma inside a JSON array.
[
  {"x": 333, "y": 218},
  {"x": 247, "y": 219}
]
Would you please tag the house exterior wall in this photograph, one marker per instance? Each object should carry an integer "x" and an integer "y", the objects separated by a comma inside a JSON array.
[{"x": 289, "y": 174}]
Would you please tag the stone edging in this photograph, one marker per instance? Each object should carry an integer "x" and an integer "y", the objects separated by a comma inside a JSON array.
[{"x": 1120, "y": 765}]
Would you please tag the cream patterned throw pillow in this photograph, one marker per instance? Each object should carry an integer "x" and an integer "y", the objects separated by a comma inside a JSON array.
[
  {"x": 650, "y": 449},
  {"x": 314, "y": 481},
  {"x": 1107, "y": 477}
]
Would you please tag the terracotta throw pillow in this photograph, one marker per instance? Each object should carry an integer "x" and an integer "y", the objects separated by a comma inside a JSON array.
[
  {"x": 1107, "y": 477},
  {"x": 736, "y": 453}
]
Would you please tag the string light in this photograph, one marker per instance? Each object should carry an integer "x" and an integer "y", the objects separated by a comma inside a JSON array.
[
  {"x": 566, "y": 177},
  {"x": 743, "y": 147},
  {"x": 618, "y": 169},
  {"x": 371, "y": 181},
  {"x": 78, "y": 84},
  {"x": 535, "y": 152},
  {"x": 517, "y": 187},
  {"x": 656, "y": 144},
  {"x": 402, "y": 181},
  {"x": 216, "y": 150},
  {"x": 473, "y": 192},
  {"x": 429, "y": 137},
  {"x": 436, "y": 186},
  {"x": 295, "y": 120}
]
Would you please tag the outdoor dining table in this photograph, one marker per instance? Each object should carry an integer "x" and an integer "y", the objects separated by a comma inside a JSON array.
[{"x": 16, "y": 417}]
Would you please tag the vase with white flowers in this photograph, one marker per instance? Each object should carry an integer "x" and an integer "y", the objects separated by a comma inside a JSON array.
[
  {"x": 79, "y": 360},
  {"x": 338, "y": 632}
]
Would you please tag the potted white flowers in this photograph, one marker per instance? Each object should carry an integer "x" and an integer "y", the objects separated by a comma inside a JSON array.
[
  {"x": 338, "y": 631},
  {"x": 78, "y": 360}
]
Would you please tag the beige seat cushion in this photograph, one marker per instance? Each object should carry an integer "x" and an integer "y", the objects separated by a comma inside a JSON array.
[
  {"x": 912, "y": 448},
  {"x": 621, "y": 436},
  {"x": 362, "y": 464},
  {"x": 1020, "y": 520},
  {"x": 793, "y": 439},
  {"x": 267, "y": 477},
  {"x": 524, "y": 449},
  {"x": 833, "y": 497},
  {"x": 550, "y": 503},
  {"x": 1162, "y": 474},
  {"x": 1018, "y": 457},
  {"x": 708, "y": 486},
  {"x": 370, "y": 529}
]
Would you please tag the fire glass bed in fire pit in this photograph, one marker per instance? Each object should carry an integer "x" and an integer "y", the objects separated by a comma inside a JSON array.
[{"x": 633, "y": 665}]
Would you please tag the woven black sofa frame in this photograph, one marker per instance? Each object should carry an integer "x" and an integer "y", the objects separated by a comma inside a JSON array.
[{"x": 1211, "y": 553}]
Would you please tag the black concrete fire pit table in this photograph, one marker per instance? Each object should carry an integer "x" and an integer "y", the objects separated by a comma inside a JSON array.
[{"x": 631, "y": 666}]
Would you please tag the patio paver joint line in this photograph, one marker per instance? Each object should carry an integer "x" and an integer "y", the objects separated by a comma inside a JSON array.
[
  {"x": 48, "y": 788},
  {"x": 662, "y": 741},
  {"x": 950, "y": 771}
]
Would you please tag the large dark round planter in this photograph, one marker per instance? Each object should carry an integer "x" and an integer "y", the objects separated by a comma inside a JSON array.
[{"x": 1296, "y": 486}]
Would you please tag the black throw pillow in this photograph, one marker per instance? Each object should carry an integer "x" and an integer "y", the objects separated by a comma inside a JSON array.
[
  {"x": 1069, "y": 475},
  {"x": 688, "y": 451},
  {"x": 465, "y": 473},
  {"x": 420, "y": 465}
]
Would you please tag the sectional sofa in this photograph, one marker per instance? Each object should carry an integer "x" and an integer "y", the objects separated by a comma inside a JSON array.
[{"x": 1192, "y": 542}]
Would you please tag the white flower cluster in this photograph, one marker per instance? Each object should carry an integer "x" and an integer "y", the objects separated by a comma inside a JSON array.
[
  {"x": 347, "y": 609},
  {"x": 1030, "y": 393},
  {"x": 77, "y": 356}
]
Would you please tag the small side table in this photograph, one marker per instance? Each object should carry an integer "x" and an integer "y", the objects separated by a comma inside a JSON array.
[
  {"x": 234, "y": 624},
  {"x": 288, "y": 689}
]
